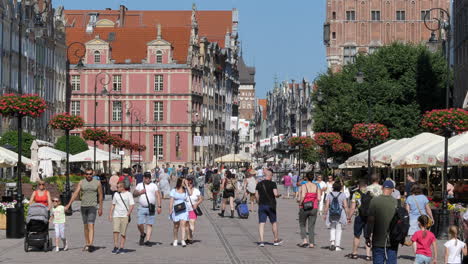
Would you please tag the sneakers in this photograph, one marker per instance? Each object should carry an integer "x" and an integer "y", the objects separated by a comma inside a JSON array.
[
  {"x": 148, "y": 244},
  {"x": 142, "y": 239},
  {"x": 183, "y": 243},
  {"x": 338, "y": 248},
  {"x": 115, "y": 250},
  {"x": 66, "y": 246},
  {"x": 121, "y": 251},
  {"x": 261, "y": 244},
  {"x": 91, "y": 248},
  {"x": 57, "y": 249},
  {"x": 278, "y": 242},
  {"x": 332, "y": 247},
  {"x": 175, "y": 243}
]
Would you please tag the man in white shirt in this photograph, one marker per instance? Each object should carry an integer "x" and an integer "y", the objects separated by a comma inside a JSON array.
[
  {"x": 147, "y": 191},
  {"x": 121, "y": 209}
]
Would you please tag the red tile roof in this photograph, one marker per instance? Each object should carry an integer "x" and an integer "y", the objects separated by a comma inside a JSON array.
[
  {"x": 140, "y": 28},
  {"x": 263, "y": 104}
]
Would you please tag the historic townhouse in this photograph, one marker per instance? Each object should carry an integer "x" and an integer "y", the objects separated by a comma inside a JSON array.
[{"x": 170, "y": 79}]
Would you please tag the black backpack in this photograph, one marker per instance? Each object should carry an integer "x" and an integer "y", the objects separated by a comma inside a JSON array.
[
  {"x": 366, "y": 198},
  {"x": 399, "y": 226}
]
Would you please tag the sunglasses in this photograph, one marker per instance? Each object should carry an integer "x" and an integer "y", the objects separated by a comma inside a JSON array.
[
  {"x": 41, "y": 184},
  {"x": 55, "y": 201},
  {"x": 89, "y": 173}
]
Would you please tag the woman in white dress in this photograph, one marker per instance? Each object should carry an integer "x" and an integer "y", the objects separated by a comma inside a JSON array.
[{"x": 164, "y": 184}]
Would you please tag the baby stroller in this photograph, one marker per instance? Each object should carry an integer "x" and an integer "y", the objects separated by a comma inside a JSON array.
[{"x": 37, "y": 228}]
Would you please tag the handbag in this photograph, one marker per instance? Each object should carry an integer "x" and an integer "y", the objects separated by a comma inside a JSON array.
[
  {"x": 151, "y": 207},
  {"x": 430, "y": 222},
  {"x": 307, "y": 206},
  {"x": 129, "y": 217},
  {"x": 179, "y": 208},
  {"x": 197, "y": 210}
]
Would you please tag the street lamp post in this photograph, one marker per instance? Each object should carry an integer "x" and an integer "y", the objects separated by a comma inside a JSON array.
[
  {"x": 360, "y": 80},
  {"x": 111, "y": 94},
  {"x": 442, "y": 25},
  {"x": 103, "y": 80}
]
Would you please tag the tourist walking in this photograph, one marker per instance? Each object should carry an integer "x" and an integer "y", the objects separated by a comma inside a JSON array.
[
  {"x": 249, "y": 186},
  {"x": 114, "y": 179},
  {"x": 120, "y": 212},
  {"x": 295, "y": 187},
  {"x": 228, "y": 187},
  {"x": 287, "y": 183},
  {"x": 323, "y": 188},
  {"x": 164, "y": 183},
  {"x": 193, "y": 206},
  {"x": 417, "y": 204},
  {"x": 91, "y": 195},
  {"x": 424, "y": 240},
  {"x": 455, "y": 249},
  {"x": 266, "y": 193},
  {"x": 410, "y": 181},
  {"x": 381, "y": 212},
  {"x": 335, "y": 211},
  {"x": 309, "y": 196},
  {"x": 58, "y": 219},
  {"x": 126, "y": 178},
  {"x": 375, "y": 188},
  {"x": 215, "y": 187},
  {"x": 178, "y": 212},
  {"x": 360, "y": 203},
  {"x": 330, "y": 182},
  {"x": 41, "y": 195},
  {"x": 148, "y": 194}
]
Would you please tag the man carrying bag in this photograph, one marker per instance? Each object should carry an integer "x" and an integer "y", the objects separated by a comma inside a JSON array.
[{"x": 147, "y": 193}]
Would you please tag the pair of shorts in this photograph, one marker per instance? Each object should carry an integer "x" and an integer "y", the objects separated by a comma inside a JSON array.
[
  {"x": 144, "y": 217},
  {"x": 252, "y": 197},
  {"x": 192, "y": 215},
  {"x": 265, "y": 211},
  {"x": 359, "y": 225},
  {"x": 228, "y": 193},
  {"x": 88, "y": 214},
  {"x": 422, "y": 259},
  {"x": 59, "y": 230},
  {"x": 295, "y": 188},
  {"x": 120, "y": 225}
]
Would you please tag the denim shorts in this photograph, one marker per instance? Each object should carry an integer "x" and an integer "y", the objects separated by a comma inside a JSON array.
[
  {"x": 265, "y": 211},
  {"x": 143, "y": 216},
  {"x": 422, "y": 259},
  {"x": 88, "y": 214},
  {"x": 359, "y": 225}
]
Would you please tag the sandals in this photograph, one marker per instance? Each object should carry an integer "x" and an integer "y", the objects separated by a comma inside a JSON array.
[
  {"x": 303, "y": 245},
  {"x": 85, "y": 248},
  {"x": 368, "y": 258}
]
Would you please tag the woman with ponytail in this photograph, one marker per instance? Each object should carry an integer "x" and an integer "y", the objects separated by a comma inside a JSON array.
[{"x": 422, "y": 241}]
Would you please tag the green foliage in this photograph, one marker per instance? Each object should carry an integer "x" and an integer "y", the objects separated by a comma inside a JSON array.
[
  {"x": 310, "y": 154},
  {"x": 77, "y": 144},
  {"x": 11, "y": 138},
  {"x": 401, "y": 82}
]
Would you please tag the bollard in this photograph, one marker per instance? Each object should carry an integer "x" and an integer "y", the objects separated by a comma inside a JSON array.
[{"x": 15, "y": 222}]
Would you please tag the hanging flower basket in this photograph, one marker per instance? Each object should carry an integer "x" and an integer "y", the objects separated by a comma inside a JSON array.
[
  {"x": 342, "y": 147},
  {"x": 327, "y": 138},
  {"x": 109, "y": 139},
  {"x": 135, "y": 147},
  {"x": 65, "y": 121},
  {"x": 370, "y": 131},
  {"x": 141, "y": 148},
  {"x": 304, "y": 142},
  {"x": 440, "y": 120},
  {"x": 126, "y": 144},
  {"x": 22, "y": 105},
  {"x": 118, "y": 143},
  {"x": 94, "y": 134}
]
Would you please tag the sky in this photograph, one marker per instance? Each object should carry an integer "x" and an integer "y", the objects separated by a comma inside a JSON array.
[{"x": 282, "y": 39}]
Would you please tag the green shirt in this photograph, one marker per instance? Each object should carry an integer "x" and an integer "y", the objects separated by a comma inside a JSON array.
[
  {"x": 383, "y": 209},
  {"x": 59, "y": 214},
  {"x": 89, "y": 193}
]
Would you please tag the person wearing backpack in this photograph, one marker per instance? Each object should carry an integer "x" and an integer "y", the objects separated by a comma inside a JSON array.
[
  {"x": 382, "y": 210},
  {"x": 215, "y": 187},
  {"x": 228, "y": 187},
  {"x": 309, "y": 196},
  {"x": 335, "y": 211},
  {"x": 360, "y": 205},
  {"x": 126, "y": 178}
]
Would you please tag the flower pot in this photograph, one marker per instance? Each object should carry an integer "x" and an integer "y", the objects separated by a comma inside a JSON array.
[{"x": 2, "y": 221}]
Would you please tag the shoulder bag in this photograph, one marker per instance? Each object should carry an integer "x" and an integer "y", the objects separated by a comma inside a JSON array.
[
  {"x": 129, "y": 217},
  {"x": 197, "y": 210},
  {"x": 151, "y": 207},
  {"x": 430, "y": 222},
  {"x": 307, "y": 206},
  {"x": 179, "y": 208}
]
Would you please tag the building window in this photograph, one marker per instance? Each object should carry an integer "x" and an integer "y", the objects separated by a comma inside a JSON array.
[
  {"x": 425, "y": 14},
  {"x": 159, "y": 56},
  {"x": 333, "y": 15},
  {"x": 349, "y": 55},
  {"x": 158, "y": 111},
  {"x": 97, "y": 57},
  {"x": 158, "y": 82},
  {"x": 75, "y": 82},
  {"x": 75, "y": 108},
  {"x": 333, "y": 35},
  {"x": 375, "y": 15},
  {"x": 158, "y": 146},
  {"x": 117, "y": 111},
  {"x": 400, "y": 15},
  {"x": 351, "y": 15},
  {"x": 117, "y": 82}
]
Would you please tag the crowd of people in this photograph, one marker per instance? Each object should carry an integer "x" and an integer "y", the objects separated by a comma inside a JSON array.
[{"x": 377, "y": 211}]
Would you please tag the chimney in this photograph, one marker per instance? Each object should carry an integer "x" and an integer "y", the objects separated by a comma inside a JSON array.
[
  {"x": 122, "y": 10},
  {"x": 159, "y": 31}
]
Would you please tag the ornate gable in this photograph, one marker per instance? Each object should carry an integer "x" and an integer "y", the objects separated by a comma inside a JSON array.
[
  {"x": 159, "y": 51},
  {"x": 97, "y": 51}
]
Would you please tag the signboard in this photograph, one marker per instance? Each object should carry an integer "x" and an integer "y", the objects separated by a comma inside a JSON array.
[{"x": 197, "y": 141}]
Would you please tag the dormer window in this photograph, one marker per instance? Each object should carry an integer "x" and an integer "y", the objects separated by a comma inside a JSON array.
[
  {"x": 97, "y": 57},
  {"x": 159, "y": 56}
]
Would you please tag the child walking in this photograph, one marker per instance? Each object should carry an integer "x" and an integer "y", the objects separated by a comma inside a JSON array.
[
  {"x": 58, "y": 218},
  {"x": 454, "y": 247},
  {"x": 422, "y": 241},
  {"x": 120, "y": 211}
]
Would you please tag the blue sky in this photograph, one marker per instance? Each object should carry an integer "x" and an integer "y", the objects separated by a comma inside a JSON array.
[{"x": 279, "y": 38}]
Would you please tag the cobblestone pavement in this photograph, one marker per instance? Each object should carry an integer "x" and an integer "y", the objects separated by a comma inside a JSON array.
[{"x": 219, "y": 240}]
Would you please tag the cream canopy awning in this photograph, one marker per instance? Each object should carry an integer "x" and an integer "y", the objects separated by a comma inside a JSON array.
[
  {"x": 234, "y": 158},
  {"x": 9, "y": 158},
  {"x": 88, "y": 155}
]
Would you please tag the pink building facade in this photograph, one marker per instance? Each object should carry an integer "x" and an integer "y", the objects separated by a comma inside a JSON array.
[{"x": 166, "y": 85}]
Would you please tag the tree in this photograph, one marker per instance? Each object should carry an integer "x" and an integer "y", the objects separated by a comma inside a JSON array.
[
  {"x": 11, "y": 138},
  {"x": 77, "y": 144},
  {"x": 401, "y": 82},
  {"x": 310, "y": 154}
]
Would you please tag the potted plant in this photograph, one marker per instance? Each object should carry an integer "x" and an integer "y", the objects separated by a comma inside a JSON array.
[
  {"x": 92, "y": 134},
  {"x": 441, "y": 121},
  {"x": 370, "y": 132},
  {"x": 342, "y": 147},
  {"x": 304, "y": 142},
  {"x": 22, "y": 105},
  {"x": 327, "y": 138},
  {"x": 65, "y": 121}
]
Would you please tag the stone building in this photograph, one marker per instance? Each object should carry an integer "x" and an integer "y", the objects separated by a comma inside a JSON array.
[
  {"x": 460, "y": 46},
  {"x": 353, "y": 27},
  {"x": 171, "y": 79},
  {"x": 246, "y": 91},
  {"x": 43, "y": 67}
]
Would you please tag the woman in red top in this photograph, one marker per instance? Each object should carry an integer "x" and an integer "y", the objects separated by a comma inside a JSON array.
[
  {"x": 41, "y": 195},
  {"x": 309, "y": 196}
]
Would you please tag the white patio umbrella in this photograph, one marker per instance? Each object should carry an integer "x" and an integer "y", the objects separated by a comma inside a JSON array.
[
  {"x": 88, "y": 155},
  {"x": 360, "y": 159},
  {"x": 45, "y": 153},
  {"x": 459, "y": 156},
  {"x": 47, "y": 168},
  {"x": 234, "y": 158},
  {"x": 10, "y": 158}
]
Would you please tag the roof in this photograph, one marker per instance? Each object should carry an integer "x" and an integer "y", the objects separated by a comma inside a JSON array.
[
  {"x": 246, "y": 73},
  {"x": 263, "y": 104},
  {"x": 139, "y": 27}
]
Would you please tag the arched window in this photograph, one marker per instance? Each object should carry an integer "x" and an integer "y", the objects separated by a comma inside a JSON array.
[
  {"x": 97, "y": 56},
  {"x": 159, "y": 56}
]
